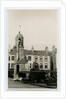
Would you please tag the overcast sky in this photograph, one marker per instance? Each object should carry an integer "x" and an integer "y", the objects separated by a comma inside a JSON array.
[{"x": 38, "y": 27}]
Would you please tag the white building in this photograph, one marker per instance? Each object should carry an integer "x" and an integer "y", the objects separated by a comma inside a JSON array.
[{"x": 22, "y": 59}]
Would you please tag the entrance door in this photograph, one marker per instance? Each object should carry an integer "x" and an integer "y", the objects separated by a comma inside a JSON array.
[{"x": 17, "y": 69}]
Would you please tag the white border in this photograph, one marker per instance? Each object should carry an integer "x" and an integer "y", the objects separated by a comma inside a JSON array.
[{"x": 33, "y": 5}]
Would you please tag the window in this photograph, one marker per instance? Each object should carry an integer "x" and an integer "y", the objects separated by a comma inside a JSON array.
[
  {"x": 36, "y": 58},
  {"x": 46, "y": 66},
  {"x": 46, "y": 59},
  {"x": 36, "y": 65},
  {"x": 9, "y": 58},
  {"x": 8, "y": 65},
  {"x": 41, "y": 65},
  {"x": 12, "y": 57},
  {"x": 30, "y": 65},
  {"x": 41, "y": 58},
  {"x": 12, "y": 65},
  {"x": 29, "y": 58}
]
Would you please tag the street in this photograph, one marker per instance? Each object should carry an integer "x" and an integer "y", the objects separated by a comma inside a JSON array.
[{"x": 18, "y": 84}]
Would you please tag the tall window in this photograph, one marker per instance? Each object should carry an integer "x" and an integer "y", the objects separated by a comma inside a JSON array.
[
  {"x": 29, "y": 58},
  {"x": 9, "y": 58},
  {"x": 46, "y": 59},
  {"x": 41, "y": 65},
  {"x": 41, "y": 58},
  {"x": 36, "y": 58},
  {"x": 12, "y": 65},
  {"x": 12, "y": 57},
  {"x": 8, "y": 65},
  {"x": 46, "y": 66},
  {"x": 30, "y": 65}
]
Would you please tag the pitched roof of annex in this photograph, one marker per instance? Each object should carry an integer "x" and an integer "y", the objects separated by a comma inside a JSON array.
[{"x": 22, "y": 61}]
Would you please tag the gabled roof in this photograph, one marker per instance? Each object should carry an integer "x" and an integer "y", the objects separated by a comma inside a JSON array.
[
  {"x": 22, "y": 61},
  {"x": 13, "y": 51},
  {"x": 36, "y": 52}
]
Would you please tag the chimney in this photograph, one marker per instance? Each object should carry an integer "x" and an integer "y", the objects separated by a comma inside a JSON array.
[
  {"x": 46, "y": 50},
  {"x": 32, "y": 49},
  {"x": 53, "y": 48},
  {"x": 54, "y": 51}
]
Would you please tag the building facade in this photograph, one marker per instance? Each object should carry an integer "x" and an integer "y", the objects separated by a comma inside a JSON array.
[{"x": 21, "y": 59}]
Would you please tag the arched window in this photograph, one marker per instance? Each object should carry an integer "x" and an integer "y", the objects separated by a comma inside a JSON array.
[{"x": 46, "y": 66}]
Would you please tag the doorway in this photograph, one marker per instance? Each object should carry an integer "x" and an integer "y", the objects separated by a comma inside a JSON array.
[{"x": 17, "y": 69}]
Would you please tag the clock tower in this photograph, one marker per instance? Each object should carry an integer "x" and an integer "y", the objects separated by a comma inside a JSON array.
[{"x": 19, "y": 43}]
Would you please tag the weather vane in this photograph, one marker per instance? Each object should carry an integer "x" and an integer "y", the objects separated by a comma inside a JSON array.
[{"x": 19, "y": 28}]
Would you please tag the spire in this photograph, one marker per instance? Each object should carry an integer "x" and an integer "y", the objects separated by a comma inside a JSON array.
[
  {"x": 32, "y": 49},
  {"x": 54, "y": 49}
]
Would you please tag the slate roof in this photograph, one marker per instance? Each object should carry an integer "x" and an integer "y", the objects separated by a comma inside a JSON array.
[
  {"x": 13, "y": 51},
  {"x": 22, "y": 61},
  {"x": 36, "y": 52},
  {"x": 19, "y": 35}
]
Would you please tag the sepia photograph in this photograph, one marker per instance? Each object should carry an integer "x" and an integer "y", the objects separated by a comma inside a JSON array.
[{"x": 32, "y": 44}]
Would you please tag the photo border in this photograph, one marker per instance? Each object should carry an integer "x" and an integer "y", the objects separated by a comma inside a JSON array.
[{"x": 3, "y": 44}]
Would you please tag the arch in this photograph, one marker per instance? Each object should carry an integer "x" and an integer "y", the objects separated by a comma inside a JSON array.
[{"x": 17, "y": 69}]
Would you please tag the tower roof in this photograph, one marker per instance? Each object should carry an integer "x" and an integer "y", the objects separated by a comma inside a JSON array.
[{"x": 19, "y": 35}]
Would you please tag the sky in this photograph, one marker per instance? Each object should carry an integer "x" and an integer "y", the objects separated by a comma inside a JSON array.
[{"x": 38, "y": 27}]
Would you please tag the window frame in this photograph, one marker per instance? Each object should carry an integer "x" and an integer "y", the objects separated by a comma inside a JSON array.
[
  {"x": 41, "y": 58},
  {"x": 9, "y": 58},
  {"x": 36, "y": 58},
  {"x": 29, "y": 59},
  {"x": 46, "y": 58},
  {"x": 12, "y": 65},
  {"x": 41, "y": 64},
  {"x": 12, "y": 58},
  {"x": 46, "y": 65}
]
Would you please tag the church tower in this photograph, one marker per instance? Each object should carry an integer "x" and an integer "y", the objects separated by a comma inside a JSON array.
[{"x": 19, "y": 43}]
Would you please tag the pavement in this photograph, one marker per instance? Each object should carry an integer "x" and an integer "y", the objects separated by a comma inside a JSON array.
[
  {"x": 19, "y": 84},
  {"x": 44, "y": 85}
]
